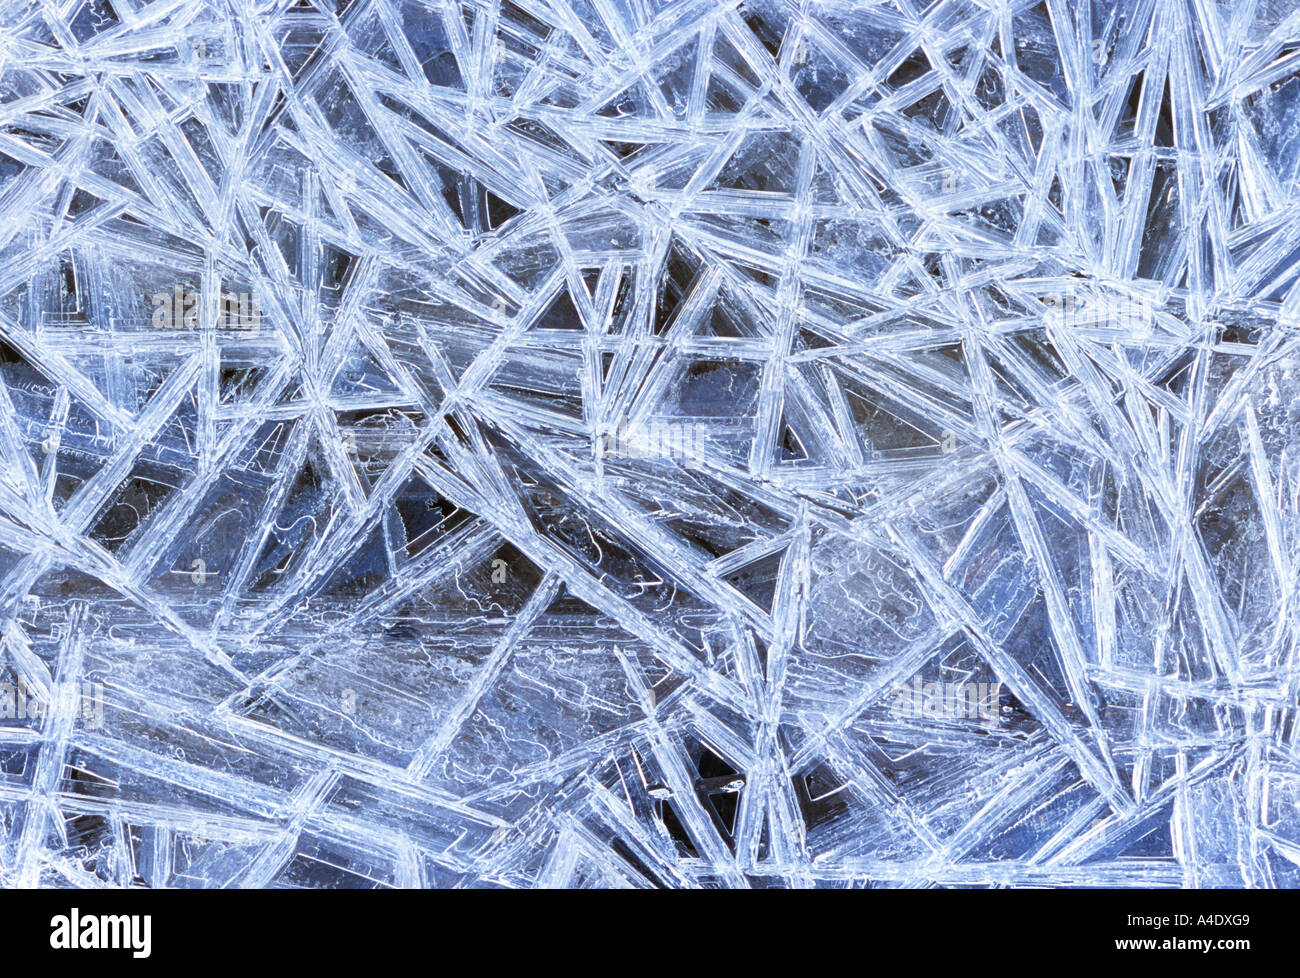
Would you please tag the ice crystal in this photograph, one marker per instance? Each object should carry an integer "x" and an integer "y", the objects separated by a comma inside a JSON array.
[{"x": 649, "y": 443}]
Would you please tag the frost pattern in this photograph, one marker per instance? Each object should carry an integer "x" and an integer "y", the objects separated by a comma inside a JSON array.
[{"x": 605, "y": 443}]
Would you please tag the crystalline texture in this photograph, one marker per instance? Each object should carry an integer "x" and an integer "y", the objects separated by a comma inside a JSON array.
[{"x": 649, "y": 443}]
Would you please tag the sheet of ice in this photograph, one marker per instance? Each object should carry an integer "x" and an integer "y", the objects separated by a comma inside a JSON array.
[{"x": 649, "y": 443}]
